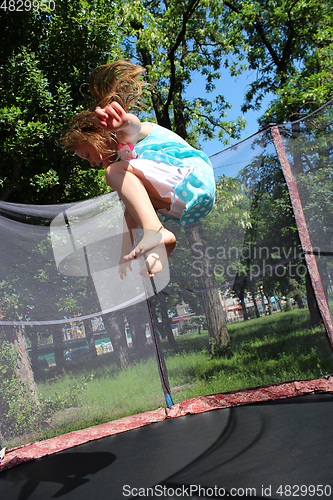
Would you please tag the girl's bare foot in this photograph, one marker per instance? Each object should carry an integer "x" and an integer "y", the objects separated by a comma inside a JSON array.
[
  {"x": 151, "y": 240},
  {"x": 156, "y": 246},
  {"x": 156, "y": 260}
]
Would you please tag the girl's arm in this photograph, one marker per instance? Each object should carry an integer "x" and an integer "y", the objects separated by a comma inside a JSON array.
[{"x": 128, "y": 127}]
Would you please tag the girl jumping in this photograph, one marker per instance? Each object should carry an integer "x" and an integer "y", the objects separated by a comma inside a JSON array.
[{"x": 151, "y": 168}]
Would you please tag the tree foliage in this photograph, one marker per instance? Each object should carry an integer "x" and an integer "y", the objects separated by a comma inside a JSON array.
[
  {"x": 175, "y": 42},
  {"x": 289, "y": 46},
  {"x": 45, "y": 57},
  {"x": 41, "y": 72}
]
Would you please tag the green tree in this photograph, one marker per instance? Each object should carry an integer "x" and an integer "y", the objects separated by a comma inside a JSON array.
[
  {"x": 289, "y": 46},
  {"x": 273, "y": 236},
  {"x": 176, "y": 41},
  {"x": 41, "y": 72}
]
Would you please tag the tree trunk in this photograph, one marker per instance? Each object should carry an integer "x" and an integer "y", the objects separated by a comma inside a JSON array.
[
  {"x": 23, "y": 368},
  {"x": 166, "y": 321},
  {"x": 255, "y": 303},
  {"x": 299, "y": 301},
  {"x": 137, "y": 320},
  {"x": 118, "y": 339},
  {"x": 58, "y": 343},
  {"x": 242, "y": 301},
  {"x": 216, "y": 321},
  {"x": 267, "y": 296},
  {"x": 262, "y": 296},
  {"x": 32, "y": 333},
  {"x": 315, "y": 316},
  {"x": 269, "y": 306},
  {"x": 90, "y": 338}
]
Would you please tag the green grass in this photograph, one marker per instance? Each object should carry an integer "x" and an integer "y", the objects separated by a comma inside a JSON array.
[
  {"x": 106, "y": 397},
  {"x": 264, "y": 351},
  {"x": 273, "y": 349}
]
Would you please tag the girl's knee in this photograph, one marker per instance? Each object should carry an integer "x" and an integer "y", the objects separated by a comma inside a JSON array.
[
  {"x": 123, "y": 165},
  {"x": 115, "y": 173},
  {"x": 119, "y": 167}
]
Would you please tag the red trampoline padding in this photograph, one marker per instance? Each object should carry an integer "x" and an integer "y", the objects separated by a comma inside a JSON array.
[
  {"x": 265, "y": 393},
  {"x": 40, "y": 449},
  {"x": 196, "y": 405}
]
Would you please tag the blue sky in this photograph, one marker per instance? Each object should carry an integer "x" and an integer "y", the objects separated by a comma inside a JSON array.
[{"x": 233, "y": 89}]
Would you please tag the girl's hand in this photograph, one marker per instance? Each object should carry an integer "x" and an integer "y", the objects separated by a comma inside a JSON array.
[
  {"x": 128, "y": 127},
  {"x": 113, "y": 117}
]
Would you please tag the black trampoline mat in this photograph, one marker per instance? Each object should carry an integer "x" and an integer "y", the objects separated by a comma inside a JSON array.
[{"x": 280, "y": 449}]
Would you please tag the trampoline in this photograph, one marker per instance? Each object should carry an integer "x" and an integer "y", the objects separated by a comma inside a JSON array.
[
  {"x": 274, "y": 449},
  {"x": 273, "y": 439}
]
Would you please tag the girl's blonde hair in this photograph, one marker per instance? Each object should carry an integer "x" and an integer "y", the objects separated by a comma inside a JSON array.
[{"x": 119, "y": 81}]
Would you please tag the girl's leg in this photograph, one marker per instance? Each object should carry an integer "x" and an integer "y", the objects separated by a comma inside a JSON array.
[
  {"x": 134, "y": 192},
  {"x": 130, "y": 226}
]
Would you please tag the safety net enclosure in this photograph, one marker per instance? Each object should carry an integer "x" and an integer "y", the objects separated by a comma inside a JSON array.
[{"x": 244, "y": 300}]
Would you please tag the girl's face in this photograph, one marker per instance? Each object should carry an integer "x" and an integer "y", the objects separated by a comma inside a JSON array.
[{"x": 88, "y": 152}]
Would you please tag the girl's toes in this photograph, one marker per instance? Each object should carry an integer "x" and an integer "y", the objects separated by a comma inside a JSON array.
[{"x": 132, "y": 255}]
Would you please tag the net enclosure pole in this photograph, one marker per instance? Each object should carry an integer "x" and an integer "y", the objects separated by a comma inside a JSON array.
[
  {"x": 162, "y": 369},
  {"x": 303, "y": 232}
]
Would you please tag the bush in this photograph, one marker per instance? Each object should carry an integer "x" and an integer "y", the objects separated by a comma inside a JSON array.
[
  {"x": 18, "y": 411},
  {"x": 21, "y": 414}
]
